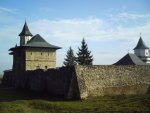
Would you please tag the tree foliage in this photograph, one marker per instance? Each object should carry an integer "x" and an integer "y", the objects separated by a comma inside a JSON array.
[
  {"x": 70, "y": 58},
  {"x": 84, "y": 55}
]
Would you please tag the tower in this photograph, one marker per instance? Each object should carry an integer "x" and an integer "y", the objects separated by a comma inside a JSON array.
[
  {"x": 33, "y": 53},
  {"x": 142, "y": 51},
  {"x": 25, "y": 35}
]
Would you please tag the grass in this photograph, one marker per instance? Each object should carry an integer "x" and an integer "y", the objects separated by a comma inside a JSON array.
[{"x": 20, "y": 101}]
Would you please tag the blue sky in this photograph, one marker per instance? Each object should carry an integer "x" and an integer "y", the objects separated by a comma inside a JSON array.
[{"x": 110, "y": 27}]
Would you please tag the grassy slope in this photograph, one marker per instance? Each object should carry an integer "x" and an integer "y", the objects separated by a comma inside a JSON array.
[{"x": 19, "y": 101}]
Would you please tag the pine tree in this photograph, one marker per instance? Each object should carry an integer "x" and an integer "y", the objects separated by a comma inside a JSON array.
[
  {"x": 70, "y": 58},
  {"x": 84, "y": 57}
]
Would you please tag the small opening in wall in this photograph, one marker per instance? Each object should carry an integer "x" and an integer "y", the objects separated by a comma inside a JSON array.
[
  {"x": 146, "y": 53},
  {"x": 41, "y": 53},
  {"x": 48, "y": 54},
  {"x": 45, "y": 67},
  {"x": 31, "y": 53}
]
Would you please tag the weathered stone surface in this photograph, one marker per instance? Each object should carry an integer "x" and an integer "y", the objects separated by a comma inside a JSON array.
[
  {"x": 33, "y": 58},
  {"x": 83, "y": 81},
  {"x": 112, "y": 80},
  {"x": 40, "y": 58},
  {"x": 7, "y": 79}
]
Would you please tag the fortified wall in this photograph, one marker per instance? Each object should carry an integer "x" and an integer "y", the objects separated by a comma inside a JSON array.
[
  {"x": 84, "y": 81},
  {"x": 112, "y": 80}
]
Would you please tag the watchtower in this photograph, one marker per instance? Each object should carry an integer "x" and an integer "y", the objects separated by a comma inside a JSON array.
[{"x": 33, "y": 52}]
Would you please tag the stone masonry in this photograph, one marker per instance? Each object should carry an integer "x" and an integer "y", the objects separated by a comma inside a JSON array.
[
  {"x": 80, "y": 82},
  {"x": 112, "y": 80},
  {"x": 40, "y": 58}
]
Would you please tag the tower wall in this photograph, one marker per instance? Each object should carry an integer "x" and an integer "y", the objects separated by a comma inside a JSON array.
[
  {"x": 40, "y": 58},
  {"x": 24, "y": 40},
  {"x": 143, "y": 54},
  {"x": 19, "y": 62}
]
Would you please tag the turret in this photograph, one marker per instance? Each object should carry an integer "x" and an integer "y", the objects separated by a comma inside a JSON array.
[
  {"x": 25, "y": 35},
  {"x": 142, "y": 51}
]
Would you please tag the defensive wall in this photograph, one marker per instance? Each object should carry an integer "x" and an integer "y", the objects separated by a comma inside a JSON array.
[{"x": 83, "y": 81}]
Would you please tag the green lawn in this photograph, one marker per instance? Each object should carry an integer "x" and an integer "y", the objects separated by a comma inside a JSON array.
[{"x": 19, "y": 101}]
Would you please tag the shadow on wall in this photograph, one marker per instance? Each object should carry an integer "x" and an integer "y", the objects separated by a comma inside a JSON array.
[
  {"x": 148, "y": 91},
  {"x": 80, "y": 82},
  {"x": 60, "y": 83}
]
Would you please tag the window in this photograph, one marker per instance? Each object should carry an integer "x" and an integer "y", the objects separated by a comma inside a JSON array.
[
  {"x": 45, "y": 67},
  {"x": 31, "y": 53},
  {"x": 147, "y": 53},
  {"x": 41, "y": 53}
]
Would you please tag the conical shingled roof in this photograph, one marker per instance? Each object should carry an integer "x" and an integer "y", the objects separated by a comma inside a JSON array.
[
  {"x": 130, "y": 59},
  {"x": 25, "y": 31},
  {"x": 38, "y": 41},
  {"x": 141, "y": 45}
]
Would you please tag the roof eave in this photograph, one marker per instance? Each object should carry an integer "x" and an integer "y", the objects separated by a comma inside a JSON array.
[{"x": 43, "y": 47}]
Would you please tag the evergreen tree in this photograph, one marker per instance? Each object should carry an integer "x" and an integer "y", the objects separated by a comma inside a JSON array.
[
  {"x": 70, "y": 58},
  {"x": 84, "y": 57}
]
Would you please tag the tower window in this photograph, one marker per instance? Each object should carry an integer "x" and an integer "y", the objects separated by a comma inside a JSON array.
[
  {"x": 41, "y": 53},
  {"x": 45, "y": 67},
  {"x": 31, "y": 53},
  {"x": 147, "y": 53}
]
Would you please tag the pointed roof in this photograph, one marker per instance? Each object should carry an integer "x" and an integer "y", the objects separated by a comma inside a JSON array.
[
  {"x": 141, "y": 45},
  {"x": 25, "y": 31},
  {"x": 130, "y": 59},
  {"x": 38, "y": 41}
]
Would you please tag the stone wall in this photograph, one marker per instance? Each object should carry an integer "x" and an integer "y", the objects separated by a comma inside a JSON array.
[
  {"x": 54, "y": 82},
  {"x": 19, "y": 59},
  {"x": 83, "y": 81},
  {"x": 112, "y": 80}
]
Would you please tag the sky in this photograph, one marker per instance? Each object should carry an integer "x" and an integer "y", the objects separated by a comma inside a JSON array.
[{"x": 111, "y": 28}]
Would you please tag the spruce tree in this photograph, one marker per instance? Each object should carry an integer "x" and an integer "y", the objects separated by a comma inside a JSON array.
[
  {"x": 70, "y": 58},
  {"x": 84, "y": 55}
]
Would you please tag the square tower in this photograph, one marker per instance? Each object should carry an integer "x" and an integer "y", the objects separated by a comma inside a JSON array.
[{"x": 33, "y": 52}]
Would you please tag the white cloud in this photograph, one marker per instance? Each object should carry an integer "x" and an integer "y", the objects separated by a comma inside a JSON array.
[
  {"x": 68, "y": 29},
  {"x": 97, "y": 32},
  {"x": 8, "y": 10},
  {"x": 93, "y": 29},
  {"x": 126, "y": 15},
  {"x": 108, "y": 39}
]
